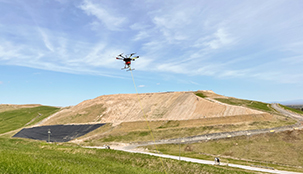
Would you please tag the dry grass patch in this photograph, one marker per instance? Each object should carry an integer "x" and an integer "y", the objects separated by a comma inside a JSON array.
[
  {"x": 283, "y": 150},
  {"x": 139, "y": 131},
  {"x": 89, "y": 114}
]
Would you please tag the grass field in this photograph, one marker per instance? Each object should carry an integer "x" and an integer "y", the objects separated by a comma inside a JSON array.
[
  {"x": 26, "y": 156},
  {"x": 282, "y": 151},
  {"x": 15, "y": 119}
]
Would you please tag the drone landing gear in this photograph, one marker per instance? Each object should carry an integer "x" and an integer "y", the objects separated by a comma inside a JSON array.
[{"x": 130, "y": 69}]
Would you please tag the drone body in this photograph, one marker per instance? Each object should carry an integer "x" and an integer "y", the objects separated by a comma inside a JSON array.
[{"x": 127, "y": 60}]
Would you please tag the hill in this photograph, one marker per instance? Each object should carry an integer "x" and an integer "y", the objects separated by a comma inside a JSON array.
[
  {"x": 13, "y": 117},
  {"x": 8, "y": 107},
  {"x": 120, "y": 108},
  {"x": 169, "y": 115}
]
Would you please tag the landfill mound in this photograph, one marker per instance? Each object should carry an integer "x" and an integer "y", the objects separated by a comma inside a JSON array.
[
  {"x": 120, "y": 108},
  {"x": 57, "y": 133}
]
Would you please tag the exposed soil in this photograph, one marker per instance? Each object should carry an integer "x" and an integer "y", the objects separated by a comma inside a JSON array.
[{"x": 120, "y": 108}]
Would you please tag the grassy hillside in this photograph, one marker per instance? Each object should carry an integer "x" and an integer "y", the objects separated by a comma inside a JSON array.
[
  {"x": 237, "y": 102},
  {"x": 282, "y": 150},
  {"x": 25, "y": 156},
  {"x": 15, "y": 119},
  {"x": 8, "y": 107},
  {"x": 292, "y": 109},
  {"x": 139, "y": 132},
  {"x": 246, "y": 103}
]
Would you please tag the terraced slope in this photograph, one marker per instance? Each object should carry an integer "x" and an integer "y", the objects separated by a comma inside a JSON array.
[{"x": 120, "y": 108}]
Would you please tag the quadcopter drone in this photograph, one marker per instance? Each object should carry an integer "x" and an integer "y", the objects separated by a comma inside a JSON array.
[{"x": 127, "y": 60}]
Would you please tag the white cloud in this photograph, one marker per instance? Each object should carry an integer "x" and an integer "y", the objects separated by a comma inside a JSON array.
[
  {"x": 9, "y": 50},
  {"x": 206, "y": 39},
  {"x": 221, "y": 38},
  {"x": 1, "y": 82},
  {"x": 46, "y": 40},
  {"x": 110, "y": 19},
  {"x": 141, "y": 86},
  {"x": 141, "y": 35}
]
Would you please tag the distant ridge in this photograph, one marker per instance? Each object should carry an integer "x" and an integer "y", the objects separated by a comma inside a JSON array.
[{"x": 292, "y": 102}]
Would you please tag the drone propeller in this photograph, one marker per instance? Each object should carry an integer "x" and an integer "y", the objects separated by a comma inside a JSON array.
[{"x": 121, "y": 55}]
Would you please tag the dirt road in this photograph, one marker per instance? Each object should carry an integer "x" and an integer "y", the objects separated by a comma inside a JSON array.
[
  {"x": 287, "y": 113},
  {"x": 133, "y": 147},
  {"x": 221, "y": 135},
  {"x": 203, "y": 161}
]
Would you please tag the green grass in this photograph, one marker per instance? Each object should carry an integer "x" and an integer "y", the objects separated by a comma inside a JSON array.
[
  {"x": 282, "y": 150},
  {"x": 15, "y": 119},
  {"x": 292, "y": 109},
  {"x": 201, "y": 95},
  {"x": 26, "y": 156},
  {"x": 247, "y": 103}
]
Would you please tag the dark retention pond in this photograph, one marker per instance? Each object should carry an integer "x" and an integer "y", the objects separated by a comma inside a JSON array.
[{"x": 58, "y": 133}]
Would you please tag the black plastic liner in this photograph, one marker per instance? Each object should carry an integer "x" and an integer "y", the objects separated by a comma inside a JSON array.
[{"x": 57, "y": 133}]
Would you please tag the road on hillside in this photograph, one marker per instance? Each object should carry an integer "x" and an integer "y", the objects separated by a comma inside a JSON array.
[
  {"x": 268, "y": 170},
  {"x": 221, "y": 135},
  {"x": 212, "y": 163},
  {"x": 132, "y": 147},
  {"x": 215, "y": 136},
  {"x": 287, "y": 113}
]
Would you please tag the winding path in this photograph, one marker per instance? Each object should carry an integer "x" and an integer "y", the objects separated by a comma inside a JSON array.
[
  {"x": 132, "y": 147},
  {"x": 221, "y": 135}
]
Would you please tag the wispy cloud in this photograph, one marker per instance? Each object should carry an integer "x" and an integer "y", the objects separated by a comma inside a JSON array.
[
  {"x": 220, "y": 39},
  {"x": 110, "y": 19},
  {"x": 232, "y": 40},
  {"x": 9, "y": 50},
  {"x": 46, "y": 40}
]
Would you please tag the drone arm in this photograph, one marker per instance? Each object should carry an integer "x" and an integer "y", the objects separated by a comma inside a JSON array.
[
  {"x": 134, "y": 58},
  {"x": 121, "y": 56}
]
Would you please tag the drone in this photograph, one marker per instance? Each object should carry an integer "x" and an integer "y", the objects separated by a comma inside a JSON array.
[{"x": 127, "y": 60}]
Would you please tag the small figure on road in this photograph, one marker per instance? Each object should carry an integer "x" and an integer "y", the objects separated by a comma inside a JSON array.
[{"x": 217, "y": 160}]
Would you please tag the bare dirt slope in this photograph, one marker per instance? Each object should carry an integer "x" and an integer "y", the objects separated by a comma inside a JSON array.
[{"x": 120, "y": 108}]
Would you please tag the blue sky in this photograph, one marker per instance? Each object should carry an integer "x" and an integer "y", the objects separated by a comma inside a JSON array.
[{"x": 61, "y": 52}]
